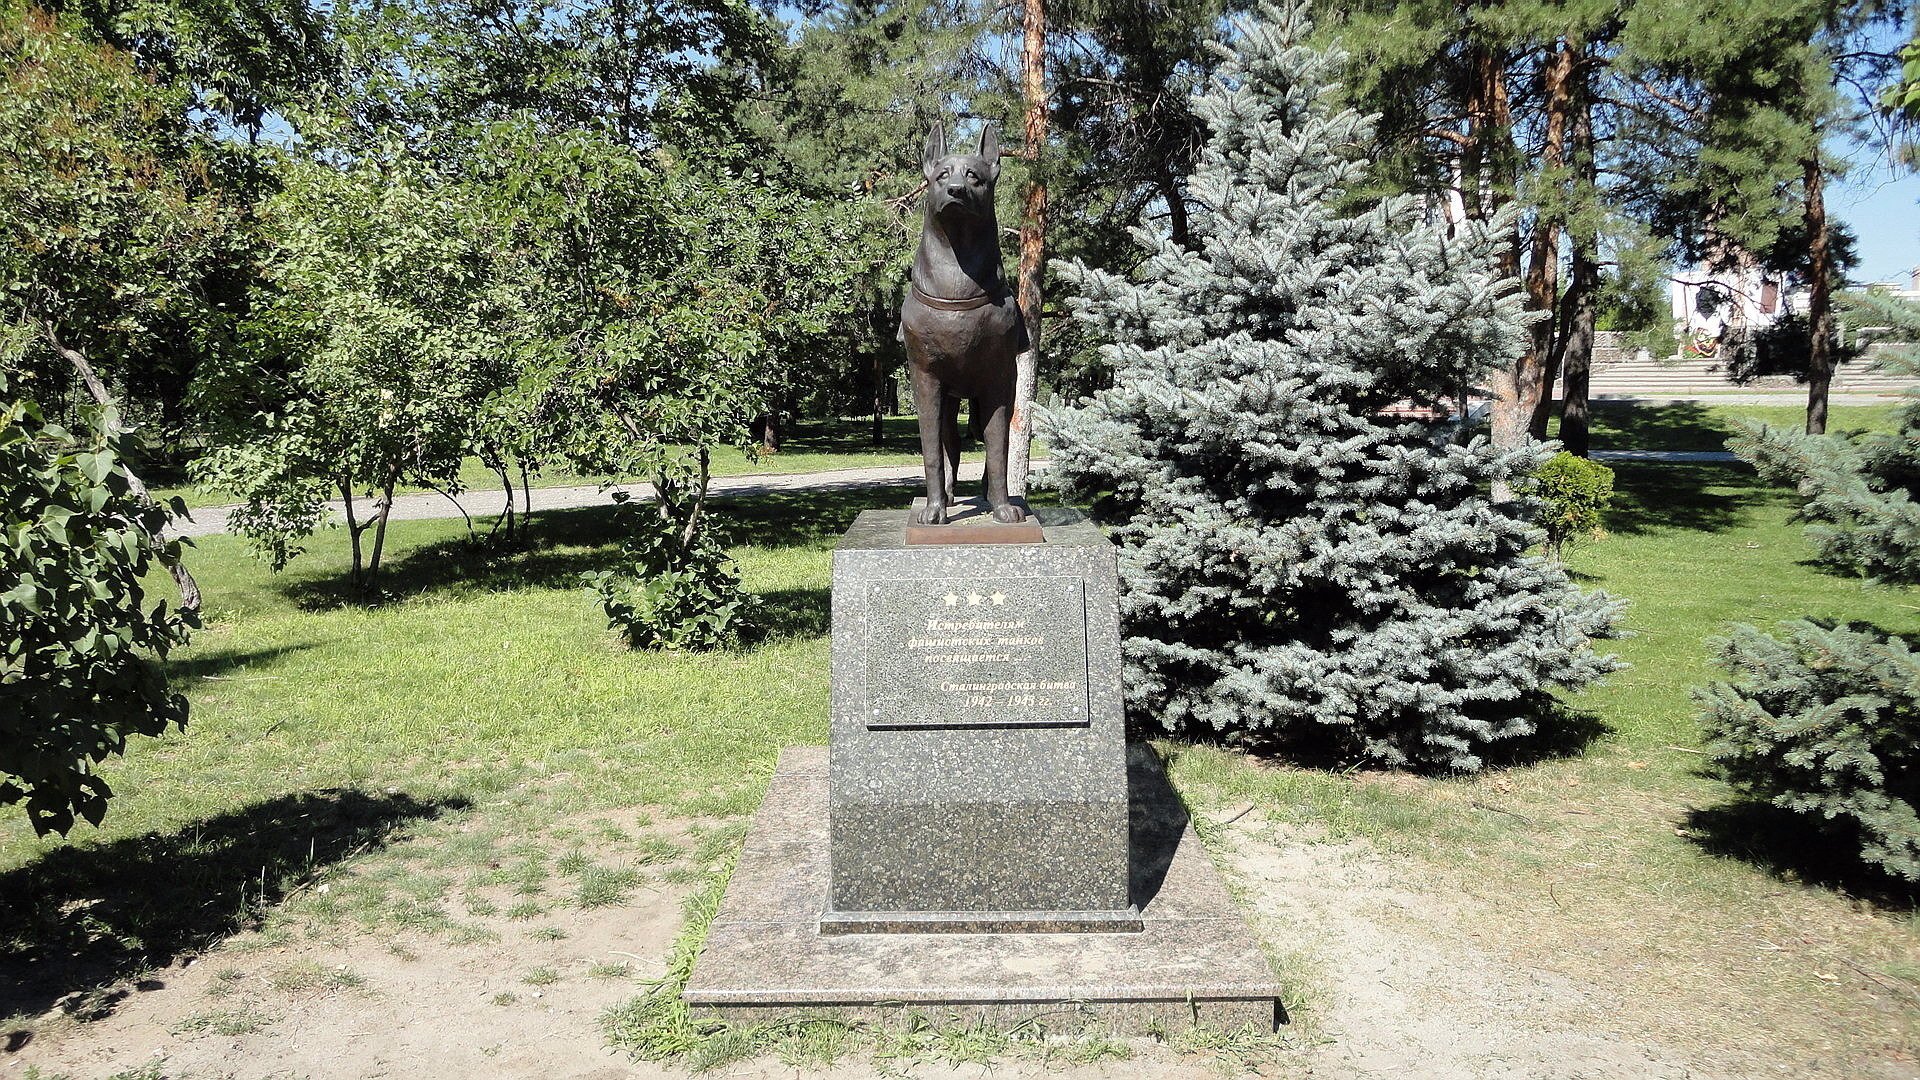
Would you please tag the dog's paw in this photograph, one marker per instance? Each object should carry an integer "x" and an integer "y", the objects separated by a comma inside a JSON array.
[
  {"x": 1008, "y": 514},
  {"x": 930, "y": 515}
]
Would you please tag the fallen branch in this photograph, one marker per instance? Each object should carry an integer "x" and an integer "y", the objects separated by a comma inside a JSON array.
[
  {"x": 1907, "y": 990},
  {"x": 1477, "y": 805},
  {"x": 1242, "y": 812}
]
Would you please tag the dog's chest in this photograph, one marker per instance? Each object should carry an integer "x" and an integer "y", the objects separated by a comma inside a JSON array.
[{"x": 957, "y": 341}]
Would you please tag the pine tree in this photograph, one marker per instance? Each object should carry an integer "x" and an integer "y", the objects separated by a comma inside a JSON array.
[
  {"x": 1296, "y": 564},
  {"x": 1823, "y": 722}
]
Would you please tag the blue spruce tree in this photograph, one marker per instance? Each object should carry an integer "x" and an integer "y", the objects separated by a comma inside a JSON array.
[
  {"x": 1297, "y": 564},
  {"x": 1823, "y": 721}
]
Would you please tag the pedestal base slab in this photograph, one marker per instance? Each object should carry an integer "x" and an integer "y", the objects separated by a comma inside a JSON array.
[{"x": 1193, "y": 960}]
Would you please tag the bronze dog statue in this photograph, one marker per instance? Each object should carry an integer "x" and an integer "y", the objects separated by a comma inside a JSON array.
[{"x": 961, "y": 324}]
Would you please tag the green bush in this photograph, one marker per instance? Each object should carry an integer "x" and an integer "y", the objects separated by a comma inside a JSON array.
[
  {"x": 77, "y": 629},
  {"x": 1574, "y": 493},
  {"x": 677, "y": 588},
  {"x": 1826, "y": 724}
]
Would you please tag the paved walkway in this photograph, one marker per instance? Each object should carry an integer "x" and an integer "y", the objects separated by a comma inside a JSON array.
[
  {"x": 1672, "y": 457},
  {"x": 486, "y": 502},
  {"x": 1796, "y": 397}
]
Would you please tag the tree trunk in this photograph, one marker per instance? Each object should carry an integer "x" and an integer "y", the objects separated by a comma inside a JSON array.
[
  {"x": 1576, "y": 348},
  {"x": 354, "y": 528},
  {"x": 766, "y": 432},
  {"x": 1580, "y": 310},
  {"x": 880, "y": 397},
  {"x": 1179, "y": 229},
  {"x": 182, "y": 577},
  {"x": 526, "y": 501},
  {"x": 382, "y": 513},
  {"x": 1543, "y": 248},
  {"x": 699, "y": 501},
  {"x": 506, "y": 480},
  {"x": 1033, "y": 243},
  {"x": 1484, "y": 165},
  {"x": 1820, "y": 302}
]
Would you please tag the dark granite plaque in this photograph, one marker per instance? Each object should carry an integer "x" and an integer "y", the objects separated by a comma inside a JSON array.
[{"x": 961, "y": 652}]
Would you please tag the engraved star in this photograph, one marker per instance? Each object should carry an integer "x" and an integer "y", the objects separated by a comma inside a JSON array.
[
  {"x": 999, "y": 598},
  {"x": 951, "y": 599},
  {"x": 973, "y": 599}
]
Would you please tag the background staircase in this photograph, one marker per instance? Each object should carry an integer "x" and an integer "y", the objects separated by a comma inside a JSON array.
[{"x": 1615, "y": 373}]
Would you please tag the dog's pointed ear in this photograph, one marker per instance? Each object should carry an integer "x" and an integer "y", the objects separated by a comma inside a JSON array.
[
  {"x": 990, "y": 149},
  {"x": 936, "y": 149}
]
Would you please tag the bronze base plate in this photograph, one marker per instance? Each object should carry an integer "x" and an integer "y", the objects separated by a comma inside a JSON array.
[{"x": 970, "y": 521}]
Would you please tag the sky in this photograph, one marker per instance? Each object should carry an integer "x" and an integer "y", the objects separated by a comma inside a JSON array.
[{"x": 1883, "y": 208}]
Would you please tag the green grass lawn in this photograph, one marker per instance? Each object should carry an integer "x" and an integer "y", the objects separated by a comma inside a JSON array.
[
  {"x": 463, "y": 736},
  {"x": 1692, "y": 425}
]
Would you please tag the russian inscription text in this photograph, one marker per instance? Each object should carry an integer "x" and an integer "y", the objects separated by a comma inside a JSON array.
[{"x": 950, "y": 653}]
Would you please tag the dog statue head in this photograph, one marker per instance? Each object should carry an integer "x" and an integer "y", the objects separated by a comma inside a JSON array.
[{"x": 960, "y": 185}]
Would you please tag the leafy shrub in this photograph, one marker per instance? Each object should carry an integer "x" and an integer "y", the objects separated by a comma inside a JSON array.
[
  {"x": 1826, "y": 724},
  {"x": 76, "y": 625},
  {"x": 677, "y": 588},
  {"x": 1574, "y": 493}
]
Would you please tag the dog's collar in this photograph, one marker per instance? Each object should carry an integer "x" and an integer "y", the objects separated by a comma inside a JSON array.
[{"x": 940, "y": 304}]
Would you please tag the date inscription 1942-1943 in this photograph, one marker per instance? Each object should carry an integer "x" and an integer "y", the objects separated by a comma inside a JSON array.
[{"x": 943, "y": 652}]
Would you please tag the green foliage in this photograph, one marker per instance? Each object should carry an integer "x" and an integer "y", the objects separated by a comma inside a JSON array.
[
  {"x": 1296, "y": 564},
  {"x": 76, "y": 623},
  {"x": 676, "y": 588},
  {"x": 114, "y": 217},
  {"x": 1904, "y": 95},
  {"x": 1573, "y": 493},
  {"x": 1858, "y": 491},
  {"x": 1826, "y": 724},
  {"x": 660, "y": 305},
  {"x": 668, "y": 72},
  {"x": 376, "y": 305}
]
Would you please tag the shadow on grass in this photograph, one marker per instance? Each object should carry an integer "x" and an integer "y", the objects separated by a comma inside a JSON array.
[
  {"x": 899, "y": 435},
  {"x": 565, "y": 544},
  {"x": 1559, "y": 732},
  {"x": 80, "y": 920},
  {"x": 1792, "y": 848},
  {"x": 792, "y": 613},
  {"x": 216, "y": 663},
  {"x": 801, "y": 517},
  {"x": 1684, "y": 497},
  {"x": 1682, "y": 425}
]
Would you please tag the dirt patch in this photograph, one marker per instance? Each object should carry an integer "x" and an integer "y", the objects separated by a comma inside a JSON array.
[
  {"x": 1395, "y": 969},
  {"x": 1412, "y": 972},
  {"x": 525, "y": 1005}
]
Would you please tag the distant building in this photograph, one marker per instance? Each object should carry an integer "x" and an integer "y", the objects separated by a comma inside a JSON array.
[
  {"x": 1706, "y": 304},
  {"x": 1709, "y": 304},
  {"x": 1905, "y": 290}
]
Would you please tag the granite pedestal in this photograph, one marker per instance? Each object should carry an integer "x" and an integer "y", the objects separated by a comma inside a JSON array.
[
  {"x": 977, "y": 841},
  {"x": 979, "y": 767},
  {"x": 1194, "y": 961}
]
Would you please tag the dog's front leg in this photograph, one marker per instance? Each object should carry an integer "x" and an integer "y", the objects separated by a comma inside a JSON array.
[
  {"x": 950, "y": 443},
  {"x": 928, "y": 401},
  {"x": 999, "y": 424}
]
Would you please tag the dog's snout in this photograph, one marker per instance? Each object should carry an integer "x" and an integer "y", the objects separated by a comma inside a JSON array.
[{"x": 956, "y": 190}]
